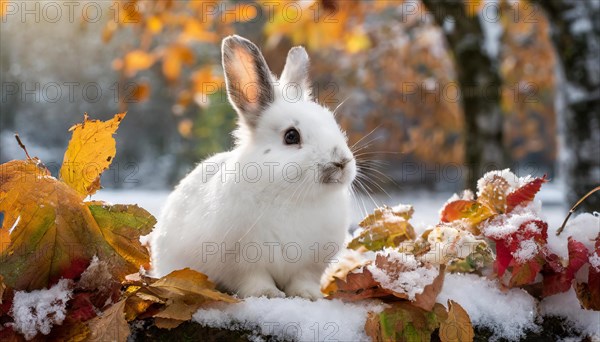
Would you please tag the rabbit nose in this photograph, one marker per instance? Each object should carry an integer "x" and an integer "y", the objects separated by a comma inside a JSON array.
[{"x": 342, "y": 163}]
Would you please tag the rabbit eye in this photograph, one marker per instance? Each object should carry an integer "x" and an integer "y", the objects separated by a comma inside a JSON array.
[{"x": 291, "y": 137}]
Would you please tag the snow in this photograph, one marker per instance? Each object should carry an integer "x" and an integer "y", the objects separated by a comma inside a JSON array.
[
  {"x": 411, "y": 281},
  {"x": 526, "y": 251},
  {"x": 513, "y": 180},
  {"x": 448, "y": 242},
  {"x": 508, "y": 314},
  {"x": 503, "y": 225},
  {"x": 566, "y": 305},
  {"x": 292, "y": 318},
  {"x": 39, "y": 310},
  {"x": 595, "y": 261},
  {"x": 583, "y": 228}
]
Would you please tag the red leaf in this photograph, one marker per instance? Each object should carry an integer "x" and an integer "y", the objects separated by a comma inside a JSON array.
[
  {"x": 524, "y": 194},
  {"x": 81, "y": 308},
  {"x": 73, "y": 271},
  {"x": 557, "y": 282},
  {"x": 503, "y": 257},
  {"x": 589, "y": 294}
]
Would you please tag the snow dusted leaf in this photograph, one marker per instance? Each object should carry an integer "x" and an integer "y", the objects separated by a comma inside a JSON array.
[
  {"x": 401, "y": 322},
  {"x": 386, "y": 227},
  {"x": 557, "y": 282},
  {"x": 524, "y": 194},
  {"x": 451, "y": 243},
  {"x": 348, "y": 261},
  {"x": 492, "y": 193},
  {"x": 110, "y": 326},
  {"x": 406, "y": 278},
  {"x": 394, "y": 275},
  {"x": 473, "y": 211},
  {"x": 457, "y": 326},
  {"x": 90, "y": 152},
  {"x": 522, "y": 251}
]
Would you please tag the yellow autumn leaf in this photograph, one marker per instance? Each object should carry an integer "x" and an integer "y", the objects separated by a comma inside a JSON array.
[{"x": 90, "y": 152}]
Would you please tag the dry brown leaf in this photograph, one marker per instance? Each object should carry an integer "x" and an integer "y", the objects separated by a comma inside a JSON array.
[
  {"x": 167, "y": 323},
  {"x": 111, "y": 326},
  {"x": 457, "y": 327}
]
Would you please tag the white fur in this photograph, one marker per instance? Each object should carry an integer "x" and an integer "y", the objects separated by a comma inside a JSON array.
[{"x": 244, "y": 230}]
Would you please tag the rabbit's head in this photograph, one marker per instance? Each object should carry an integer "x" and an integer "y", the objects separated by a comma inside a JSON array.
[{"x": 278, "y": 119}]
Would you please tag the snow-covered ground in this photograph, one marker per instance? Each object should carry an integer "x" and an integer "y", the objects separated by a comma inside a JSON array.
[{"x": 507, "y": 313}]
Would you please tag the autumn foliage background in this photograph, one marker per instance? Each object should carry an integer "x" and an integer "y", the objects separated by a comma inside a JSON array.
[{"x": 389, "y": 63}]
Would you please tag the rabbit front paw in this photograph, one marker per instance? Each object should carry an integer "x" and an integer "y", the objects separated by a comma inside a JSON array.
[
  {"x": 305, "y": 289},
  {"x": 259, "y": 287}
]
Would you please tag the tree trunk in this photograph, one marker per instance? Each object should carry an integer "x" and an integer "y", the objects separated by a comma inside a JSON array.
[
  {"x": 479, "y": 83},
  {"x": 576, "y": 36}
]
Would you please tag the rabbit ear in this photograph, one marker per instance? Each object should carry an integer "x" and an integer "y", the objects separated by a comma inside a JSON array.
[
  {"x": 296, "y": 71},
  {"x": 248, "y": 78}
]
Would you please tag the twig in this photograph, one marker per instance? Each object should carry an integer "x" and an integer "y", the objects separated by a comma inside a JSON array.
[
  {"x": 562, "y": 227},
  {"x": 22, "y": 145}
]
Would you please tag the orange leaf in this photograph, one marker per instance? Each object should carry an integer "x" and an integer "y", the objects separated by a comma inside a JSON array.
[
  {"x": 137, "y": 60},
  {"x": 471, "y": 210}
]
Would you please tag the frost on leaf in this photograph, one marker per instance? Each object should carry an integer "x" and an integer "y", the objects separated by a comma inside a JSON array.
[
  {"x": 40, "y": 310},
  {"x": 386, "y": 227},
  {"x": 394, "y": 275},
  {"x": 451, "y": 244}
]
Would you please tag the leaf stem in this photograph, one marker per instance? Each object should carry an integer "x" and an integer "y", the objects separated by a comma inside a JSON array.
[
  {"x": 562, "y": 227},
  {"x": 22, "y": 145}
]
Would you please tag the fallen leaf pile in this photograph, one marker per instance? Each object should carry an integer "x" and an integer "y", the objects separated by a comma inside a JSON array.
[
  {"x": 386, "y": 261},
  {"x": 50, "y": 235}
]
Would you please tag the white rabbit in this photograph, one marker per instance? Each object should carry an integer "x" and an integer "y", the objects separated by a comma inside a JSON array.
[{"x": 268, "y": 216}]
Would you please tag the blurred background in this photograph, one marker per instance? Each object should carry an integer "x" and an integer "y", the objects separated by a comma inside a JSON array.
[{"x": 439, "y": 91}]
